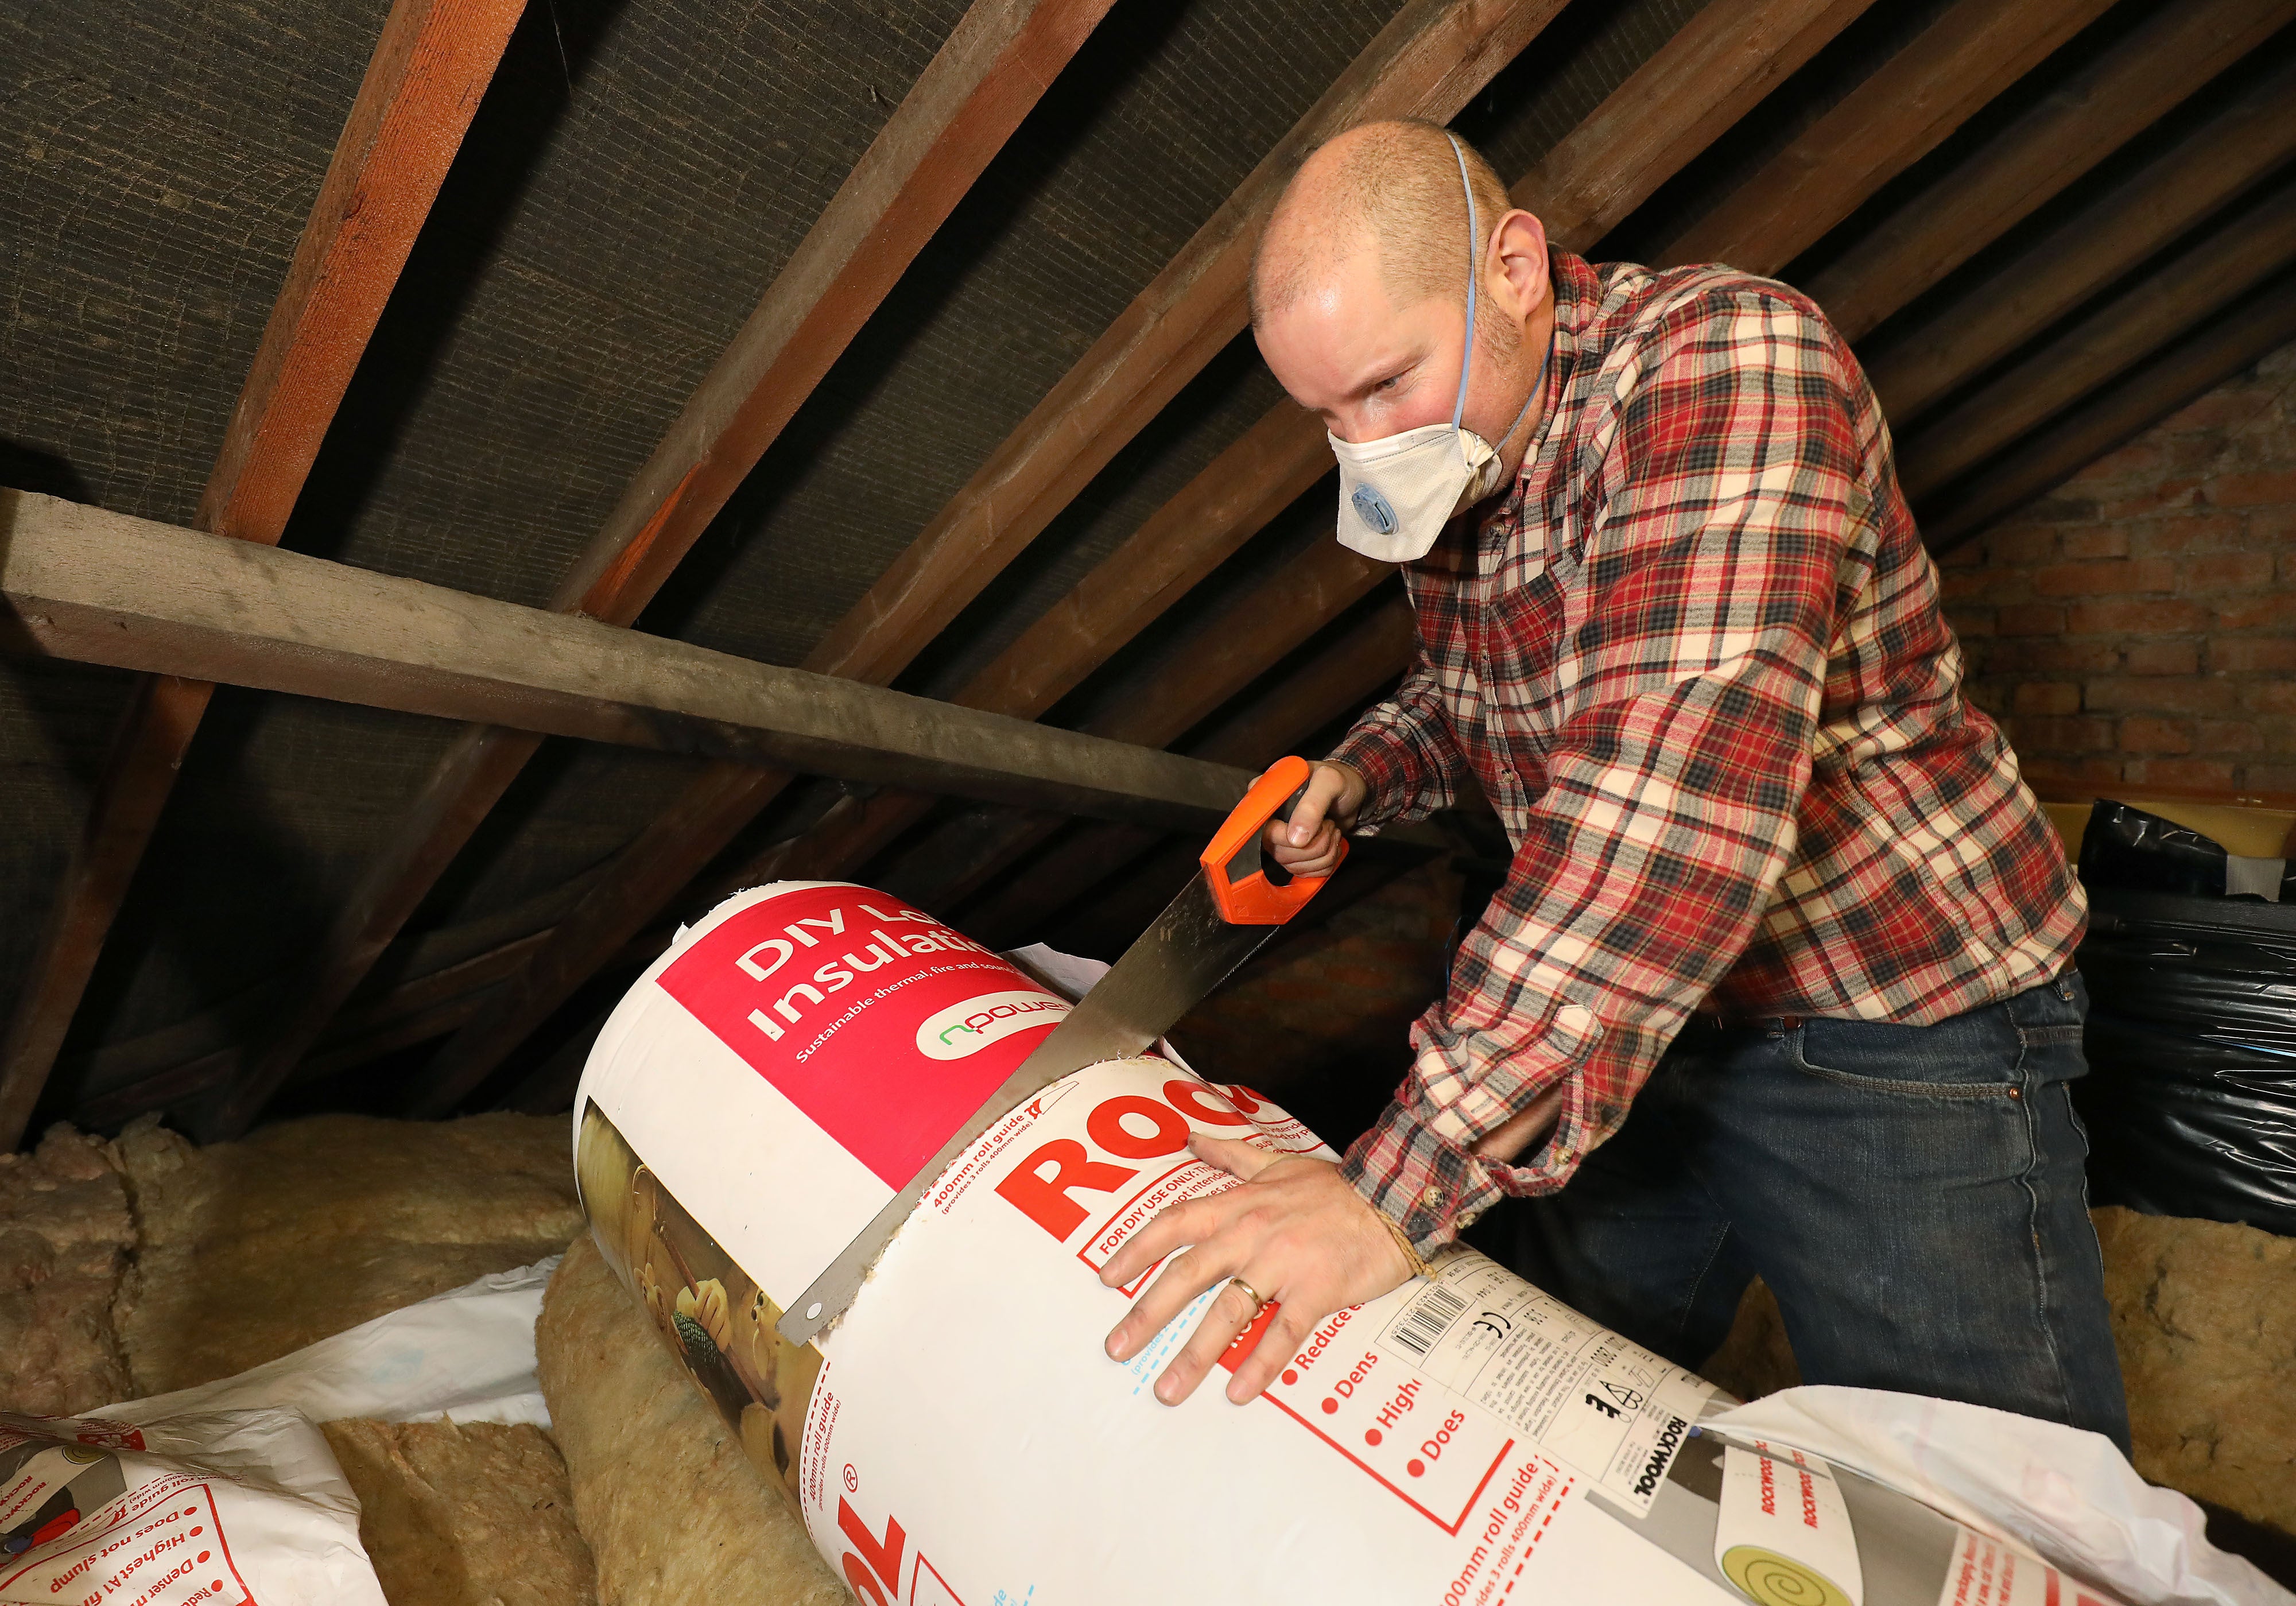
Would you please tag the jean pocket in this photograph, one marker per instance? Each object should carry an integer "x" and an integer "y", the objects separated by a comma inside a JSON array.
[{"x": 1974, "y": 1055}]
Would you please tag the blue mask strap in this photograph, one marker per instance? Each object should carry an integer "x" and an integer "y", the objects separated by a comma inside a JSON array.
[
  {"x": 1467, "y": 355},
  {"x": 1537, "y": 385}
]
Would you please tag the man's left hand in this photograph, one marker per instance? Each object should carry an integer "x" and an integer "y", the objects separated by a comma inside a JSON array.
[{"x": 1296, "y": 1234}]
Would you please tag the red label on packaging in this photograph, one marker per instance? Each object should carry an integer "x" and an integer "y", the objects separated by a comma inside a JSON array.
[{"x": 887, "y": 1028}]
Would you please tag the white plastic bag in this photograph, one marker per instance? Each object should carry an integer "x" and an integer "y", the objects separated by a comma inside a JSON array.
[
  {"x": 2068, "y": 1497},
  {"x": 246, "y": 1508},
  {"x": 467, "y": 1355}
]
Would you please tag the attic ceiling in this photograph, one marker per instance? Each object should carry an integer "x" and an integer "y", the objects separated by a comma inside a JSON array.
[{"x": 635, "y": 176}]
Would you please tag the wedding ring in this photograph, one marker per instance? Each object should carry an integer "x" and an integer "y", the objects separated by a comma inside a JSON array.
[{"x": 1251, "y": 1293}]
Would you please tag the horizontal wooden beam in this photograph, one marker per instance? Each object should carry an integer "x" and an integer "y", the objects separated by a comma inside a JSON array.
[
  {"x": 2109, "y": 102},
  {"x": 956, "y": 117},
  {"x": 430, "y": 67},
  {"x": 1979, "y": 322},
  {"x": 98, "y": 588},
  {"x": 2189, "y": 369},
  {"x": 2190, "y": 287},
  {"x": 1969, "y": 54}
]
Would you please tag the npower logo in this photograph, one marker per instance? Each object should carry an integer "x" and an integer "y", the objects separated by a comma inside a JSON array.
[{"x": 967, "y": 1027}]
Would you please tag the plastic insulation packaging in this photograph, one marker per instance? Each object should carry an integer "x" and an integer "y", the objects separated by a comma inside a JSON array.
[
  {"x": 2191, "y": 1099},
  {"x": 2126, "y": 848},
  {"x": 960, "y": 1435},
  {"x": 244, "y": 1507}
]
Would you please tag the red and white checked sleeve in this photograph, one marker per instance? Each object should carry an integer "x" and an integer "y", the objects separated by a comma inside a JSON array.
[
  {"x": 1405, "y": 751},
  {"x": 1733, "y": 530}
]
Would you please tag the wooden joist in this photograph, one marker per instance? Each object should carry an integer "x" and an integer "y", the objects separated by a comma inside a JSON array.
[
  {"x": 1972, "y": 53},
  {"x": 1428, "y": 62},
  {"x": 2189, "y": 369},
  {"x": 2193, "y": 286},
  {"x": 2110, "y": 101},
  {"x": 1980, "y": 322},
  {"x": 985, "y": 78},
  {"x": 97, "y": 587},
  {"x": 430, "y": 66}
]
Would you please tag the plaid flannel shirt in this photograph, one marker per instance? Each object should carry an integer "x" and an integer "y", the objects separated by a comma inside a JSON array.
[{"x": 1696, "y": 660}]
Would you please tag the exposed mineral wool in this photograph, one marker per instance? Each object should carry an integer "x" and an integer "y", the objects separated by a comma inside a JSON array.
[
  {"x": 673, "y": 1509},
  {"x": 471, "y": 1514},
  {"x": 2205, "y": 1314},
  {"x": 253, "y": 1249},
  {"x": 65, "y": 1237}
]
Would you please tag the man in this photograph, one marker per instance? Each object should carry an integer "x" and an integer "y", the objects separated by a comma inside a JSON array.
[{"x": 1778, "y": 982}]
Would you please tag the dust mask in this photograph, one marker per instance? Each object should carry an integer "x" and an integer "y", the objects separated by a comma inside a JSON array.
[{"x": 1397, "y": 493}]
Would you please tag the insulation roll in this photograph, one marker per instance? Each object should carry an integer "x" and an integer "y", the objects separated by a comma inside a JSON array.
[{"x": 960, "y": 1435}]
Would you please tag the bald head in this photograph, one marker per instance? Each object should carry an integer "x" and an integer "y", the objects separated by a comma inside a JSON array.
[{"x": 1390, "y": 190}]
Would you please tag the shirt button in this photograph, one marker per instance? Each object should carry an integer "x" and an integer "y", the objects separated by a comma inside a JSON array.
[
  {"x": 1468, "y": 1219},
  {"x": 1431, "y": 1195}
]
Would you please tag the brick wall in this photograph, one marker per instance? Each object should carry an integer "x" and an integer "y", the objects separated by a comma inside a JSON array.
[{"x": 2139, "y": 625}]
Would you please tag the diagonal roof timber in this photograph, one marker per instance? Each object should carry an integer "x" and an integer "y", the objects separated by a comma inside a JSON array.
[
  {"x": 2198, "y": 282},
  {"x": 2186, "y": 370},
  {"x": 1973, "y": 51},
  {"x": 1986, "y": 317},
  {"x": 974, "y": 92},
  {"x": 1429, "y": 61},
  {"x": 2109, "y": 102},
  {"x": 1694, "y": 87},
  {"x": 430, "y": 67}
]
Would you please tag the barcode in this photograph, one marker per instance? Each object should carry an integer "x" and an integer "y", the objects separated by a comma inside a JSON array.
[{"x": 1428, "y": 1319}]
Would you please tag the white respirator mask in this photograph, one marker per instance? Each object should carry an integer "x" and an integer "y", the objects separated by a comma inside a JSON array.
[{"x": 1397, "y": 493}]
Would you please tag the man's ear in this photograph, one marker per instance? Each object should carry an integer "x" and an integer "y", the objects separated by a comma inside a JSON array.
[{"x": 1515, "y": 264}]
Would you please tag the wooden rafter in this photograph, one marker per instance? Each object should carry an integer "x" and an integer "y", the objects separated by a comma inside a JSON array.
[
  {"x": 1428, "y": 62},
  {"x": 97, "y": 587},
  {"x": 1972, "y": 53},
  {"x": 2190, "y": 287},
  {"x": 985, "y": 78},
  {"x": 430, "y": 69},
  {"x": 1692, "y": 88},
  {"x": 1887, "y": 132},
  {"x": 2108, "y": 103},
  {"x": 2189, "y": 369},
  {"x": 1984, "y": 320}
]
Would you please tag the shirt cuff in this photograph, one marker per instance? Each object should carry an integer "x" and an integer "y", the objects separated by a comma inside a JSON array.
[
  {"x": 1418, "y": 1165},
  {"x": 1377, "y": 754}
]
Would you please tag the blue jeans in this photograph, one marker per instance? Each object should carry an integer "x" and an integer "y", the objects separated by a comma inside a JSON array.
[{"x": 1913, "y": 1195}]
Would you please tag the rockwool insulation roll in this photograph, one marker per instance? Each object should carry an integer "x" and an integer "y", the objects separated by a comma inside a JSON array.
[{"x": 960, "y": 1436}]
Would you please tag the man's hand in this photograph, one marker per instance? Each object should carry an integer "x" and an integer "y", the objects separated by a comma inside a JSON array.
[
  {"x": 1309, "y": 842},
  {"x": 1295, "y": 1232}
]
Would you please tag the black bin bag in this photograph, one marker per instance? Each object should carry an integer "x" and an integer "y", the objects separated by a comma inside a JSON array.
[{"x": 2191, "y": 1099}]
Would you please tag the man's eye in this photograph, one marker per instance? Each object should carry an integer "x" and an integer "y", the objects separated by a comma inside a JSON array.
[{"x": 1388, "y": 383}]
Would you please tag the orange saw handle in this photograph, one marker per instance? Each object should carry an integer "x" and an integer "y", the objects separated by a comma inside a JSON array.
[{"x": 1231, "y": 864}]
